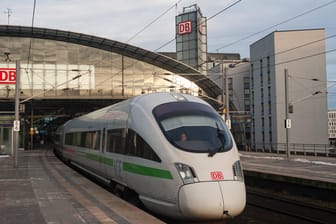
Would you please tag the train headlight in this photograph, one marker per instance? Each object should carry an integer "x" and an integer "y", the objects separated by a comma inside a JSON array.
[
  {"x": 186, "y": 173},
  {"x": 238, "y": 171}
]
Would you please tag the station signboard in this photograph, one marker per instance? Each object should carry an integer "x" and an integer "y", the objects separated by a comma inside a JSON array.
[
  {"x": 7, "y": 76},
  {"x": 184, "y": 27}
]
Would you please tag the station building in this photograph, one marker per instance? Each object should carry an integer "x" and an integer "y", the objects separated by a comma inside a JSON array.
[
  {"x": 65, "y": 73},
  {"x": 257, "y": 92},
  {"x": 289, "y": 67},
  {"x": 332, "y": 127}
]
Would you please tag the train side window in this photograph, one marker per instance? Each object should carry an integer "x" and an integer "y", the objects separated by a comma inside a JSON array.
[
  {"x": 95, "y": 140},
  {"x": 130, "y": 143},
  {"x": 103, "y": 140},
  {"x": 68, "y": 138},
  {"x": 92, "y": 140},
  {"x": 115, "y": 141},
  {"x": 138, "y": 147},
  {"x": 76, "y": 139}
]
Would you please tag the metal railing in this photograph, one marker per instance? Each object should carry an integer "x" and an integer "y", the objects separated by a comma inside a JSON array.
[{"x": 294, "y": 148}]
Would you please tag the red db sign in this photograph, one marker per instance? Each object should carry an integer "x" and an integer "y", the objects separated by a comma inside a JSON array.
[
  {"x": 217, "y": 175},
  {"x": 184, "y": 27},
  {"x": 7, "y": 76}
]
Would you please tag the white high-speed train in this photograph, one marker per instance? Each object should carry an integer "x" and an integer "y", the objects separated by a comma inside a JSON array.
[{"x": 173, "y": 150}]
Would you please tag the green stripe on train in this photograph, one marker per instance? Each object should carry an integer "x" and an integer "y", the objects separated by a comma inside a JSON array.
[
  {"x": 146, "y": 171},
  {"x": 97, "y": 158},
  {"x": 130, "y": 167}
]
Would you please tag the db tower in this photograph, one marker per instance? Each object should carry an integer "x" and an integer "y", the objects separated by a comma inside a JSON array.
[{"x": 191, "y": 38}]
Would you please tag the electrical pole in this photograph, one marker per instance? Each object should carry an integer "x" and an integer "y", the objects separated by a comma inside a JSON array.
[
  {"x": 16, "y": 125},
  {"x": 122, "y": 76},
  {"x": 287, "y": 120},
  {"x": 225, "y": 99},
  {"x": 8, "y": 12}
]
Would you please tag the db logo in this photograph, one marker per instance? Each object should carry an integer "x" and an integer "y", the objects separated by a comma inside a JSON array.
[
  {"x": 217, "y": 175},
  {"x": 7, "y": 75},
  {"x": 184, "y": 27}
]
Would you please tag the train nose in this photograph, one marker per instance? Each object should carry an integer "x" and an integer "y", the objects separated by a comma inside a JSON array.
[{"x": 212, "y": 200}]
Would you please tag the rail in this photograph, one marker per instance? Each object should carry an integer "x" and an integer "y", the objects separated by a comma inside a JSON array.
[{"x": 293, "y": 210}]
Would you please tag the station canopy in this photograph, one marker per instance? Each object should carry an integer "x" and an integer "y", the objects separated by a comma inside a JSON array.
[{"x": 31, "y": 43}]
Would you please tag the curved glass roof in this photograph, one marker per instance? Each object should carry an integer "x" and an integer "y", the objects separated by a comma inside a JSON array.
[{"x": 162, "y": 61}]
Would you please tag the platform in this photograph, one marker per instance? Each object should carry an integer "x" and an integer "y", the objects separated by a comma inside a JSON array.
[
  {"x": 44, "y": 190},
  {"x": 316, "y": 171}
]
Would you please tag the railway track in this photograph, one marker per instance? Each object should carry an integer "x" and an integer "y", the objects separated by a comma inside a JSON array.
[
  {"x": 298, "y": 211},
  {"x": 274, "y": 206}
]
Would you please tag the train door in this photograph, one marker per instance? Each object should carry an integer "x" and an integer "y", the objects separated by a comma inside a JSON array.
[
  {"x": 104, "y": 158},
  {"x": 114, "y": 153}
]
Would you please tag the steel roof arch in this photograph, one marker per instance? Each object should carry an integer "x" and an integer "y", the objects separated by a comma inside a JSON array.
[{"x": 162, "y": 61}]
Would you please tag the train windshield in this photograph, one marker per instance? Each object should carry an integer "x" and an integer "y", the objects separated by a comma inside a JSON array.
[{"x": 193, "y": 127}]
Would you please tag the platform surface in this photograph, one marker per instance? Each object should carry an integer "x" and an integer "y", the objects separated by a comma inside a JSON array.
[
  {"x": 314, "y": 168},
  {"x": 44, "y": 190}
]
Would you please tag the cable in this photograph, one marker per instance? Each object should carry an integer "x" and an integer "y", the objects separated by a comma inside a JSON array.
[
  {"x": 30, "y": 48},
  {"x": 170, "y": 41},
  {"x": 316, "y": 80},
  {"x": 32, "y": 27},
  {"x": 285, "y": 62},
  {"x": 283, "y": 22},
  {"x": 221, "y": 11},
  {"x": 211, "y": 17},
  {"x": 156, "y": 19},
  {"x": 305, "y": 57}
]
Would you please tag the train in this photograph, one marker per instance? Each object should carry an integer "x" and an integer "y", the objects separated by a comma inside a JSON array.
[{"x": 172, "y": 150}]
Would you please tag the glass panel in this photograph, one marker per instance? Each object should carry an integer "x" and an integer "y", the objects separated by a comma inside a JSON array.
[
  {"x": 50, "y": 79},
  {"x": 5, "y": 141},
  {"x": 61, "y": 78},
  {"x": 193, "y": 127}
]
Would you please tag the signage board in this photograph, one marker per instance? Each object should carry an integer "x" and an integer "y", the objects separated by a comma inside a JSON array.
[
  {"x": 184, "y": 27},
  {"x": 7, "y": 76},
  {"x": 288, "y": 123},
  {"x": 16, "y": 125},
  {"x": 217, "y": 175}
]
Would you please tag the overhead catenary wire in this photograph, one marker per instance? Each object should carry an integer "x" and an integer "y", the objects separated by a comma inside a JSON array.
[
  {"x": 278, "y": 24},
  {"x": 167, "y": 43},
  {"x": 290, "y": 49},
  {"x": 151, "y": 23},
  {"x": 30, "y": 48},
  {"x": 211, "y": 17}
]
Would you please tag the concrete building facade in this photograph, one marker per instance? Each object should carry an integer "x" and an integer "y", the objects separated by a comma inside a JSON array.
[
  {"x": 332, "y": 127},
  {"x": 237, "y": 74},
  {"x": 301, "y": 54}
]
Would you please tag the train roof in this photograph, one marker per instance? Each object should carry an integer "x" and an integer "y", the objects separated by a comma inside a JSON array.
[{"x": 119, "y": 111}]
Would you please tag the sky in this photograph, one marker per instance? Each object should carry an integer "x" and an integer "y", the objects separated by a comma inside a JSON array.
[{"x": 231, "y": 30}]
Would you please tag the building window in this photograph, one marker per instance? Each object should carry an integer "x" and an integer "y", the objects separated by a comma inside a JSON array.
[
  {"x": 246, "y": 93},
  {"x": 268, "y": 72},
  {"x": 261, "y": 73},
  {"x": 252, "y": 78}
]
